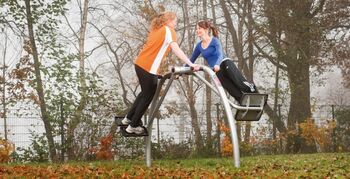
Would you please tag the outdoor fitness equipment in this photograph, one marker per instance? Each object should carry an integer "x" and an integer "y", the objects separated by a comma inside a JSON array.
[{"x": 251, "y": 107}]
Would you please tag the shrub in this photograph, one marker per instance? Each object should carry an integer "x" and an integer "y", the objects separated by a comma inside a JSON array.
[
  {"x": 322, "y": 135},
  {"x": 169, "y": 149},
  {"x": 38, "y": 151},
  {"x": 6, "y": 149}
]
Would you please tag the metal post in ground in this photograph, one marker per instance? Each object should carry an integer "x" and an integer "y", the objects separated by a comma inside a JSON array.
[
  {"x": 62, "y": 129},
  {"x": 334, "y": 130},
  {"x": 218, "y": 128}
]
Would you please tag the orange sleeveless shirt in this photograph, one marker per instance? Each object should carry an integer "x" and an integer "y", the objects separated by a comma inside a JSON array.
[{"x": 155, "y": 49}]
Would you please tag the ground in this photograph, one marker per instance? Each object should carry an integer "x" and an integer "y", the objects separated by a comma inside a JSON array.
[{"x": 324, "y": 165}]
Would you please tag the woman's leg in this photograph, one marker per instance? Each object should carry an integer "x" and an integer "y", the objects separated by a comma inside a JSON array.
[
  {"x": 232, "y": 72},
  {"x": 230, "y": 87},
  {"x": 148, "y": 84},
  {"x": 133, "y": 107}
]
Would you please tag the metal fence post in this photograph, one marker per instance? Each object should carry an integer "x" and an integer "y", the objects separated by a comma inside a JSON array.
[
  {"x": 218, "y": 128},
  {"x": 62, "y": 129}
]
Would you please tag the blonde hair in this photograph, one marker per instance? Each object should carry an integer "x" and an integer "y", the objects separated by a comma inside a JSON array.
[{"x": 161, "y": 19}]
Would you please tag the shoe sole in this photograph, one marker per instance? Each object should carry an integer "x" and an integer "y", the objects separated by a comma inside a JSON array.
[
  {"x": 134, "y": 132},
  {"x": 127, "y": 134}
]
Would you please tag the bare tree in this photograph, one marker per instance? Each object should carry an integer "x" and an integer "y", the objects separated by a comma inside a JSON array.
[
  {"x": 74, "y": 122},
  {"x": 296, "y": 32},
  {"x": 243, "y": 10},
  {"x": 190, "y": 89}
]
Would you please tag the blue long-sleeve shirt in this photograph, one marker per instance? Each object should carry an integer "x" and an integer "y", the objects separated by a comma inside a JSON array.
[{"x": 212, "y": 54}]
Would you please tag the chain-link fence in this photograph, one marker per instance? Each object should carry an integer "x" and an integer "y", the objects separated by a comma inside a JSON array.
[{"x": 21, "y": 122}]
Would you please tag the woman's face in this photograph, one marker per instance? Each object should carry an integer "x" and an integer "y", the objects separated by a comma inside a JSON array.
[
  {"x": 172, "y": 23},
  {"x": 201, "y": 31}
]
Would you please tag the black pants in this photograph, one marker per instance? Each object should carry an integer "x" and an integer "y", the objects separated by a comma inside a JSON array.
[
  {"x": 148, "y": 84},
  {"x": 233, "y": 81}
]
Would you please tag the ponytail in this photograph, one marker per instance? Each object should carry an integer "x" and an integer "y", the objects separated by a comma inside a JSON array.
[{"x": 214, "y": 31}]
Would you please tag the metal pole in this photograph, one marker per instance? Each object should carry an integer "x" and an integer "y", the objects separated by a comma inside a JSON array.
[
  {"x": 218, "y": 128},
  {"x": 4, "y": 100},
  {"x": 280, "y": 118},
  {"x": 4, "y": 88},
  {"x": 275, "y": 100},
  {"x": 334, "y": 131},
  {"x": 62, "y": 130},
  {"x": 158, "y": 133},
  {"x": 219, "y": 90},
  {"x": 154, "y": 107},
  {"x": 231, "y": 120}
]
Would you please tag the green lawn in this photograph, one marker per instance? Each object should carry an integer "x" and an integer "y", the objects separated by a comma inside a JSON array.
[{"x": 325, "y": 165}]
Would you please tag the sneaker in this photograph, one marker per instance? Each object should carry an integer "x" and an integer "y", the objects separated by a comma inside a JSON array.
[
  {"x": 136, "y": 130},
  {"x": 126, "y": 121},
  {"x": 250, "y": 85}
]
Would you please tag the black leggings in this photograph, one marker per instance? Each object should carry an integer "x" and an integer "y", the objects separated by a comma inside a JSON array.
[
  {"x": 148, "y": 84},
  {"x": 233, "y": 81}
]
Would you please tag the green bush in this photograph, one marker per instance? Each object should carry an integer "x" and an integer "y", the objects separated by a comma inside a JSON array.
[
  {"x": 343, "y": 130},
  {"x": 38, "y": 151},
  {"x": 169, "y": 149}
]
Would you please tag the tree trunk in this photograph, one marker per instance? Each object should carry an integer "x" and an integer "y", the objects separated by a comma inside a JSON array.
[
  {"x": 236, "y": 47},
  {"x": 194, "y": 117},
  {"x": 190, "y": 93},
  {"x": 300, "y": 108},
  {"x": 74, "y": 122},
  {"x": 39, "y": 85},
  {"x": 208, "y": 101},
  {"x": 299, "y": 36},
  {"x": 249, "y": 73},
  {"x": 299, "y": 81}
]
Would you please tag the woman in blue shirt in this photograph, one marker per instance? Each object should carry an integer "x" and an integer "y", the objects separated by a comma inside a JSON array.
[{"x": 210, "y": 49}]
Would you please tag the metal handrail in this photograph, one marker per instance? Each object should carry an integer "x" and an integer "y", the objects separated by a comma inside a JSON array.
[{"x": 218, "y": 89}]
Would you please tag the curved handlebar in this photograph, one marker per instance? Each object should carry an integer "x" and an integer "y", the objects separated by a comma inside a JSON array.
[{"x": 184, "y": 69}]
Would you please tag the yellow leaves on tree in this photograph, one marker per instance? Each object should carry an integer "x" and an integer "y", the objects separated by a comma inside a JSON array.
[
  {"x": 6, "y": 148},
  {"x": 322, "y": 135}
]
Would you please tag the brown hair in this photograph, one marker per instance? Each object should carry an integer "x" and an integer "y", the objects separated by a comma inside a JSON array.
[
  {"x": 207, "y": 25},
  {"x": 161, "y": 19}
]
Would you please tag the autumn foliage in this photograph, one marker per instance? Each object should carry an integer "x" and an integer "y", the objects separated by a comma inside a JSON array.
[
  {"x": 226, "y": 144},
  {"x": 104, "y": 152},
  {"x": 6, "y": 148},
  {"x": 322, "y": 135}
]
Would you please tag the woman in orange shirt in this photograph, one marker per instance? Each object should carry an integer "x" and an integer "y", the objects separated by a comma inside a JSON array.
[{"x": 161, "y": 38}]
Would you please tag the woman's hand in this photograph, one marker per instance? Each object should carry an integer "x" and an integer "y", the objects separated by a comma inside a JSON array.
[
  {"x": 195, "y": 67},
  {"x": 216, "y": 68}
]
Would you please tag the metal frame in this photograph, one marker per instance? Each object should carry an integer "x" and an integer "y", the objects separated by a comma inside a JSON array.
[{"x": 218, "y": 89}]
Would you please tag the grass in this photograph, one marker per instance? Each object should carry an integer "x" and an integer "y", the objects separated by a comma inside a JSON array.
[{"x": 323, "y": 165}]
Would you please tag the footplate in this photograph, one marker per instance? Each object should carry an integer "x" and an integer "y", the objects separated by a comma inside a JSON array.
[
  {"x": 126, "y": 134},
  {"x": 118, "y": 121}
]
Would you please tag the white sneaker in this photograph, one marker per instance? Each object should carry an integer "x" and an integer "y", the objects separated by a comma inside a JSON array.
[
  {"x": 126, "y": 121},
  {"x": 136, "y": 130},
  {"x": 250, "y": 85}
]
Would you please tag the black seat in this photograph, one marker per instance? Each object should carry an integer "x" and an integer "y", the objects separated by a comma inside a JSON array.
[{"x": 251, "y": 100}]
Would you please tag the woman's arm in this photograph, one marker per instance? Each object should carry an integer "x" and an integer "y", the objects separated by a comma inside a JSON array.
[
  {"x": 218, "y": 51},
  {"x": 179, "y": 53},
  {"x": 220, "y": 55},
  {"x": 196, "y": 52}
]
